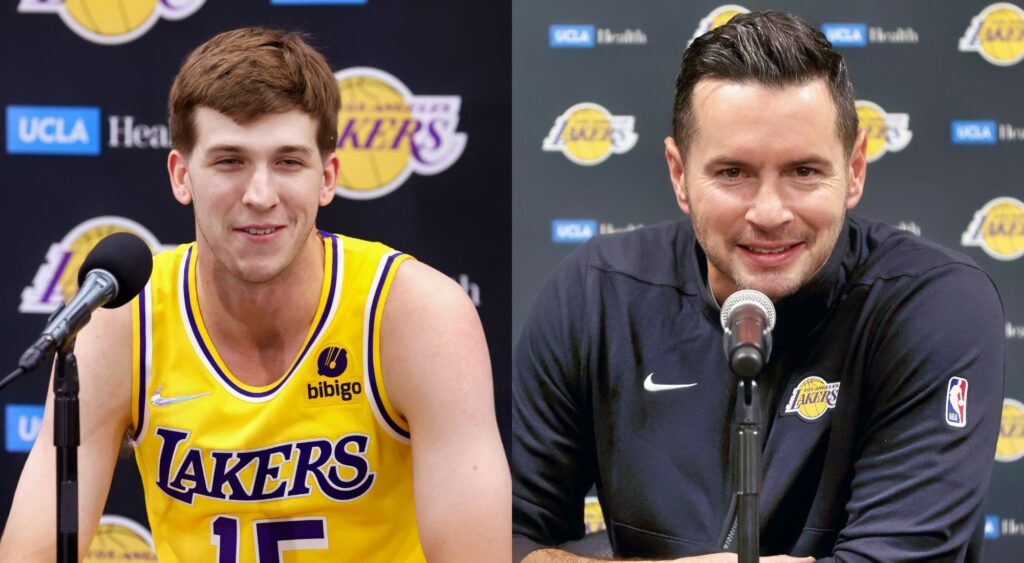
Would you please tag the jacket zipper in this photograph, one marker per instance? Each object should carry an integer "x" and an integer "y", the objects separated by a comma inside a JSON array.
[
  {"x": 732, "y": 534},
  {"x": 728, "y": 534}
]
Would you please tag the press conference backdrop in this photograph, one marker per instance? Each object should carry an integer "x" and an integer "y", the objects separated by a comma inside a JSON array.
[
  {"x": 938, "y": 88},
  {"x": 424, "y": 148}
]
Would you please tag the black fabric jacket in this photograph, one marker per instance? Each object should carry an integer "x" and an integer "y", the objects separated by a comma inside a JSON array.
[{"x": 880, "y": 476}]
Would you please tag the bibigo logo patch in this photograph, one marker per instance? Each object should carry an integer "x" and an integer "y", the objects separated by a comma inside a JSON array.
[
  {"x": 56, "y": 280},
  {"x": 588, "y": 134},
  {"x": 997, "y": 34},
  {"x": 998, "y": 228},
  {"x": 335, "y": 384},
  {"x": 886, "y": 132},
  {"x": 385, "y": 133},
  {"x": 112, "y": 22},
  {"x": 717, "y": 18},
  {"x": 812, "y": 397},
  {"x": 1010, "y": 446}
]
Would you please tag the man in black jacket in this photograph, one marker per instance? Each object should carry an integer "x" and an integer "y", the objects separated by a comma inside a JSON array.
[{"x": 882, "y": 394}]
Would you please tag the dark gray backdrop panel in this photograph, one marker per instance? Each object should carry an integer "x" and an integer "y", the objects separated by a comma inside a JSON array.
[
  {"x": 933, "y": 185},
  {"x": 457, "y": 221}
]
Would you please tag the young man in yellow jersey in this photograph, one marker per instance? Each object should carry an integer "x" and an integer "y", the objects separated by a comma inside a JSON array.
[{"x": 291, "y": 394}]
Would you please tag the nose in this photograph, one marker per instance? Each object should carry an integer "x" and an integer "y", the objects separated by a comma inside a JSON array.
[
  {"x": 769, "y": 210},
  {"x": 259, "y": 191}
]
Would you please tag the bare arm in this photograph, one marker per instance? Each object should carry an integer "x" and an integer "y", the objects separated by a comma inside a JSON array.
[
  {"x": 104, "y": 360},
  {"x": 438, "y": 374}
]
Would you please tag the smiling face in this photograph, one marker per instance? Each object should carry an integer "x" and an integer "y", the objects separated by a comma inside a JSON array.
[
  {"x": 255, "y": 189},
  {"x": 766, "y": 181}
]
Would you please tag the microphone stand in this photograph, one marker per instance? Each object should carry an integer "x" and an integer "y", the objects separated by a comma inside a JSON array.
[
  {"x": 66, "y": 440},
  {"x": 747, "y": 475}
]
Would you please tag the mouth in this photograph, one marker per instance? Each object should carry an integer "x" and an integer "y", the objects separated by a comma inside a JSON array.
[
  {"x": 259, "y": 231},
  {"x": 771, "y": 255}
]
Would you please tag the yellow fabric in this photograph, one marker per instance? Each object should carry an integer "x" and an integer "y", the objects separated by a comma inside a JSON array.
[{"x": 316, "y": 466}]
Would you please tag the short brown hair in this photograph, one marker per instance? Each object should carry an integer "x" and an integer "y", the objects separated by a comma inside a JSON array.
[
  {"x": 769, "y": 48},
  {"x": 249, "y": 72}
]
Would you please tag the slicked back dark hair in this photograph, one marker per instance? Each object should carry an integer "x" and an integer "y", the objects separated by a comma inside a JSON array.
[{"x": 768, "y": 48}]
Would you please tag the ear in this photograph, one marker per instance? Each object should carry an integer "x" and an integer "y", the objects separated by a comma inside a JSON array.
[
  {"x": 177, "y": 170},
  {"x": 328, "y": 186},
  {"x": 858, "y": 170},
  {"x": 675, "y": 173}
]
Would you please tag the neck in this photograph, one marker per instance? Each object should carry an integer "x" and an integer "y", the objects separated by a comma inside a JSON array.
[
  {"x": 267, "y": 316},
  {"x": 721, "y": 286}
]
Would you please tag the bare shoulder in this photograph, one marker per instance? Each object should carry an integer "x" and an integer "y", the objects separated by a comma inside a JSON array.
[
  {"x": 430, "y": 335},
  {"x": 421, "y": 294}
]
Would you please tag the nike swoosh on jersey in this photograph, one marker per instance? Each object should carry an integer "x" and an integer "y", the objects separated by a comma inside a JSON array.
[
  {"x": 650, "y": 385},
  {"x": 159, "y": 400}
]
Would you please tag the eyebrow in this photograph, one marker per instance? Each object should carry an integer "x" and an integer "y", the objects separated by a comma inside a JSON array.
[
  {"x": 810, "y": 160},
  {"x": 288, "y": 149},
  {"x": 285, "y": 149}
]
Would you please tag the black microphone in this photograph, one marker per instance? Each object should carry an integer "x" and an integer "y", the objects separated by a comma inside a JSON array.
[
  {"x": 113, "y": 273},
  {"x": 748, "y": 318}
]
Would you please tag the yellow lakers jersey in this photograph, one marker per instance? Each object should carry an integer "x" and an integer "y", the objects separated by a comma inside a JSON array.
[{"x": 316, "y": 466}]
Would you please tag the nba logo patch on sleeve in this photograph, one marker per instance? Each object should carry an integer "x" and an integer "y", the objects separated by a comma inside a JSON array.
[{"x": 956, "y": 402}]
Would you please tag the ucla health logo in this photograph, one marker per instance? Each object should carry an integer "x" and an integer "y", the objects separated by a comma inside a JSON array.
[
  {"x": 56, "y": 280},
  {"x": 997, "y": 34},
  {"x": 576, "y": 231},
  {"x": 572, "y": 231},
  {"x": 992, "y": 522},
  {"x": 859, "y": 34},
  {"x": 717, "y": 18},
  {"x": 112, "y": 22},
  {"x": 571, "y": 36},
  {"x": 385, "y": 133},
  {"x": 53, "y": 130},
  {"x": 588, "y": 134},
  {"x": 982, "y": 132},
  {"x": 313, "y": 2},
  {"x": 985, "y": 132},
  {"x": 22, "y": 423},
  {"x": 886, "y": 132},
  {"x": 998, "y": 228},
  {"x": 846, "y": 34}
]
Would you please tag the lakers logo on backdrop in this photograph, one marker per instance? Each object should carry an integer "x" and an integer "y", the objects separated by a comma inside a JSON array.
[
  {"x": 997, "y": 34},
  {"x": 120, "y": 539},
  {"x": 717, "y": 18},
  {"x": 1010, "y": 446},
  {"x": 56, "y": 280},
  {"x": 812, "y": 397},
  {"x": 593, "y": 515},
  {"x": 588, "y": 134},
  {"x": 998, "y": 228},
  {"x": 112, "y": 22},
  {"x": 385, "y": 133},
  {"x": 886, "y": 132}
]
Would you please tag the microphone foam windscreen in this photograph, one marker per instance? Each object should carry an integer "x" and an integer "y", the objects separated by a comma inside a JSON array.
[{"x": 127, "y": 258}]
